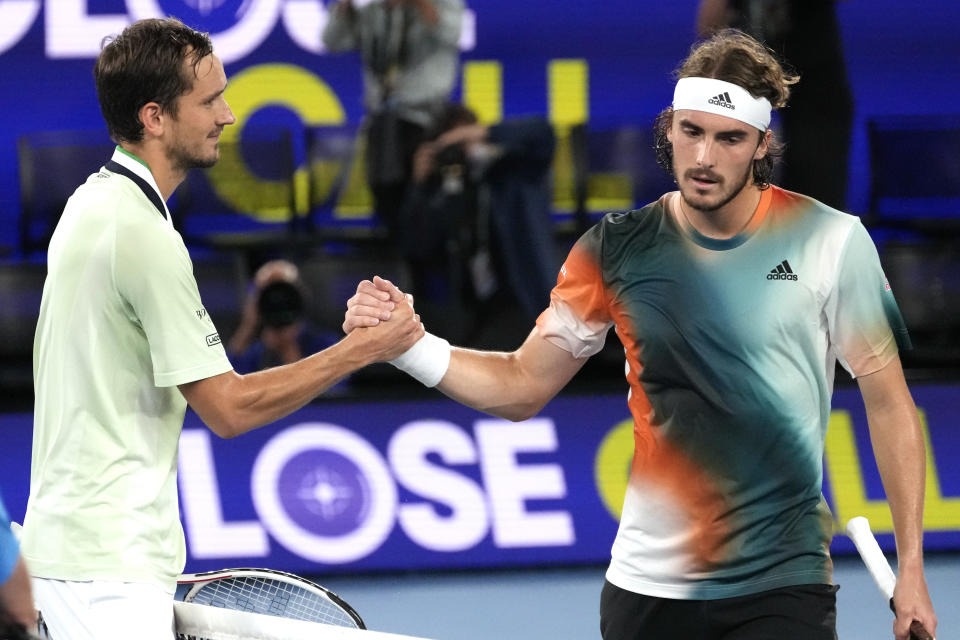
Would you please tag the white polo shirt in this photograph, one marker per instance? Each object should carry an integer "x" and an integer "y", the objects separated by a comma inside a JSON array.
[{"x": 121, "y": 324}]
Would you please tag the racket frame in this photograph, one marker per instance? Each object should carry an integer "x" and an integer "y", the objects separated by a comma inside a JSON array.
[{"x": 198, "y": 580}]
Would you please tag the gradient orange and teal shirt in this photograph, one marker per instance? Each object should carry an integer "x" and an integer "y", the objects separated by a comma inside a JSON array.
[{"x": 730, "y": 350}]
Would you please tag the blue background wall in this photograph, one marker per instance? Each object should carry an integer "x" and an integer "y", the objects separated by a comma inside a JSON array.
[{"x": 902, "y": 58}]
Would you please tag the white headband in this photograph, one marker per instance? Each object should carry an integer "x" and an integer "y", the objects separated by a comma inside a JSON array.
[{"x": 722, "y": 98}]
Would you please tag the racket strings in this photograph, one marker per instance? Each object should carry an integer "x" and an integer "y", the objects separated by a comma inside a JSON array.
[{"x": 272, "y": 597}]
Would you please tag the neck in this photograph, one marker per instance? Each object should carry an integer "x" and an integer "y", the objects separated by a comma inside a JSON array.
[
  {"x": 167, "y": 176},
  {"x": 726, "y": 221}
]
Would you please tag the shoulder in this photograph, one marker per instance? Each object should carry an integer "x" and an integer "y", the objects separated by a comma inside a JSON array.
[
  {"x": 633, "y": 227},
  {"x": 791, "y": 204},
  {"x": 813, "y": 219},
  {"x": 112, "y": 193}
]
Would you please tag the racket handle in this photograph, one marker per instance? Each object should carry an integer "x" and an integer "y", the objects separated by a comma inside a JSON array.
[
  {"x": 917, "y": 630},
  {"x": 859, "y": 531}
]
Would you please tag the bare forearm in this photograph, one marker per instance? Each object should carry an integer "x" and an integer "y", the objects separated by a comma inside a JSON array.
[
  {"x": 16, "y": 600},
  {"x": 513, "y": 385},
  {"x": 899, "y": 450},
  {"x": 269, "y": 395},
  {"x": 231, "y": 404},
  {"x": 492, "y": 382}
]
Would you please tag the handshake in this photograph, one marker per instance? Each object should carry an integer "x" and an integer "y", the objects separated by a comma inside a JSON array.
[{"x": 383, "y": 316}]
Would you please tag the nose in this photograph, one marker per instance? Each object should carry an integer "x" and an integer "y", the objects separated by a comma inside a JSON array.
[
  {"x": 228, "y": 118},
  {"x": 705, "y": 152}
]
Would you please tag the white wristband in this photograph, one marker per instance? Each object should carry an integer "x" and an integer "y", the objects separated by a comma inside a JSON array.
[{"x": 427, "y": 360}]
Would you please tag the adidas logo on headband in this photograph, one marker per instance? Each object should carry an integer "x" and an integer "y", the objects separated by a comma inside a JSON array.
[
  {"x": 722, "y": 100},
  {"x": 695, "y": 94}
]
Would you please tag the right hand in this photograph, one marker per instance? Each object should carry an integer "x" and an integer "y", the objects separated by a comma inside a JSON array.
[
  {"x": 373, "y": 302},
  {"x": 389, "y": 339}
]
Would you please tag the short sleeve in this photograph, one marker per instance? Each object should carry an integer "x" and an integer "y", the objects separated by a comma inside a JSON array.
[
  {"x": 579, "y": 316},
  {"x": 154, "y": 275},
  {"x": 9, "y": 547},
  {"x": 864, "y": 321}
]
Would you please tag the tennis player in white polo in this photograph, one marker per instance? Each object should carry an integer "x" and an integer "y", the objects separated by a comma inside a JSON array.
[{"x": 123, "y": 343}]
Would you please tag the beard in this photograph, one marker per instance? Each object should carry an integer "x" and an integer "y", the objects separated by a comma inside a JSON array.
[
  {"x": 724, "y": 198},
  {"x": 184, "y": 159}
]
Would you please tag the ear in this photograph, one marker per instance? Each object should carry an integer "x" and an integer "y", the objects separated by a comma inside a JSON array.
[
  {"x": 153, "y": 118},
  {"x": 670, "y": 128},
  {"x": 764, "y": 144}
]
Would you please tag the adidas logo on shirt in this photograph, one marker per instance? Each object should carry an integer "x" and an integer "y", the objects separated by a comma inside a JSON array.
[
  {"x": 782, "y": 272},
  {"x": 722, "y": 100}
]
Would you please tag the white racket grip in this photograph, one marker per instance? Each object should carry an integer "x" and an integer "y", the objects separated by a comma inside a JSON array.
[{"x": 859, "y": 531}]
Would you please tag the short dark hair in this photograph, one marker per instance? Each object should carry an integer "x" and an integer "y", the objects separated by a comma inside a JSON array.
[
  {"x": 735, "y": 57},
  {"x": 145, "y": 64},
  {"x": 451, "y": 116}
]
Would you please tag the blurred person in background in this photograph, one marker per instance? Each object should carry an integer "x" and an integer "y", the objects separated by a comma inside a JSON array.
[
  {"x": 274, "y": 328},
  {"x": 410, "y": 55},
  {"x": 17, "y": 613},
  {"x": 480, "y": 205},
  {"x": 817, "y": 126}
]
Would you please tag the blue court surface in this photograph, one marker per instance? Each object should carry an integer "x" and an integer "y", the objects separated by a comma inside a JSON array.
[{"x": 563, "y": 603}]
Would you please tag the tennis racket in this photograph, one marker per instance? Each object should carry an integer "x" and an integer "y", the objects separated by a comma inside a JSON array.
[
  {"x": 269, "y": 592},
  {"x": 859, "y": 531}
]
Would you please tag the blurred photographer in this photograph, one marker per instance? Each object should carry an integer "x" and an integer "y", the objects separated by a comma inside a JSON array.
[
  {"x": 274, "y": 329},
  {"x": 478, "y": 216},
  {"x": 410, "y": 61}
]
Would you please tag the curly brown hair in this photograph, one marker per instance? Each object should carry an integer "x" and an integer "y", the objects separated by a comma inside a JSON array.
[{"x": 735, "y": 57}]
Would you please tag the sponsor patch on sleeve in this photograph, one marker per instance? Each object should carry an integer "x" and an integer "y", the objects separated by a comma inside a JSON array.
[{"x": 212, "y": 339}]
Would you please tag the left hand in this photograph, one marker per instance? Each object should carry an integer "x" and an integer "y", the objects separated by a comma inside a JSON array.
[
  {"x": 372, "y": 303},
  {"x": 465, "y": 134},
  {"x": 913, "y": 603}
]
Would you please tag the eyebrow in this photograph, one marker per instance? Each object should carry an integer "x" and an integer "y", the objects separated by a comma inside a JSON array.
[
  {"x": 216, "y": 94},
  {"x": 730, "y": 132}
]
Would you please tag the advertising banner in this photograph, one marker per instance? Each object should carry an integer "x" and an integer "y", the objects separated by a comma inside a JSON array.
[{"x": 428, "y": 484}]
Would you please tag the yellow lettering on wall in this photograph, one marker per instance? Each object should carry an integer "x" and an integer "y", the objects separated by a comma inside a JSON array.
[
  {"x": 568, "y": 104},
  {"x": 483, "y": 90},
  {"x": 250, "y": 90},
  {"x": 611, "y": 468},
  {"x": 845, "y": 465},
  {"x": 567, "y": 85},
  {"x": 939, "y": 514},
  {"x": 846, "y": 479}
]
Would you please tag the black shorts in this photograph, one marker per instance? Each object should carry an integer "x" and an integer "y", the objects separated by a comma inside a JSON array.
[{"x": 803, "y": 612}]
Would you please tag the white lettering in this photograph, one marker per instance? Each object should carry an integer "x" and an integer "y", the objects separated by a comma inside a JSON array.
[
  {"x": 304, "y": 21},
  {"x": 72, "y": 33},
  {"x": 232, "y": 44},
  {"x": 209, "y": 535},
  {"x": 509, "y": 483},
  {"x": 347, "y": 486},
  {"x": 17, "y": 17},
  {"x": 467, "y": 524}
]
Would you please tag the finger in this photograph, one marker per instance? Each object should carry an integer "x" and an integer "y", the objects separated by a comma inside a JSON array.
[
  {"x": 385, "y": 285},
  {"x": 370, "y": 311},
  {"x": 369, "y": 288},
  {"x": 351, "y": 323},
  {"x": 380, "y": 301}
]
